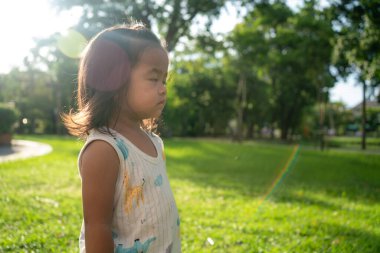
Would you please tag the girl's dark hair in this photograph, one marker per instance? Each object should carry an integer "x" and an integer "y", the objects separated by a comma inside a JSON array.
[{"x": 104, "y": 75}]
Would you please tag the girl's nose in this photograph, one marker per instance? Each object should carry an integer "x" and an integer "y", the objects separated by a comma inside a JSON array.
[{"x": 162, "y": 89}]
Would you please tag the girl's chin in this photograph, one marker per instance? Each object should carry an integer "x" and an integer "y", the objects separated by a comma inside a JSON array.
[
  {"x": 158, "y": 114},
  {"x": 154, "y": 115}
]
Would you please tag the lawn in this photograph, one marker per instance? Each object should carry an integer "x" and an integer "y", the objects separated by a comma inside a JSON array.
[
  {"x": 353, "y": 142},
  {"x": 325, "y": 202}
]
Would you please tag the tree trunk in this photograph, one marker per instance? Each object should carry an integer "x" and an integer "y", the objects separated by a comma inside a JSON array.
[
  {"x": 321, "y": 128},
  {"x": 331, "y": 121},
  {"x": 364, "y": 118},
  {"x": 272, "y": 131},
  {"x": 241, "y": 94},
  {"x": 250, "y": 130},
  {"x": 284, "y": 133},
  {"x": 321, "y": 117}
]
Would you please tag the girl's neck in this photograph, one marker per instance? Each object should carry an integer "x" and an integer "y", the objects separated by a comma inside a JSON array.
[
  {"x": 131, "y": 130},
  {"x": 126, "y": 124}
]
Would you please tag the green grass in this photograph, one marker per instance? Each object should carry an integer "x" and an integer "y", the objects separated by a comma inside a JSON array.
[
  {"x": 353, "y": 142},
  {"x": 326, "y": 202}
]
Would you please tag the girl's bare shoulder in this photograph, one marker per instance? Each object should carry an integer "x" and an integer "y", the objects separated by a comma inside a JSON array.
[{"x": 99, "y": 156}]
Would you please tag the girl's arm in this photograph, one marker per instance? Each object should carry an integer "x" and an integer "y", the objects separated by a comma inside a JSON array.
[{"x": 99, "y": 167}]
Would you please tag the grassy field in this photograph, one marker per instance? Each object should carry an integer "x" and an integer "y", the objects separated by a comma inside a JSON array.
[
  {"x": 353, "y": 142},
  {"x": 326, "y": 202}
]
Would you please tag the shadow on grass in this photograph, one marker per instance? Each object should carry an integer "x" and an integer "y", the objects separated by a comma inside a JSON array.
[
  {"x": 250, "y": 170},
  {"x": 319, "y": 237},
  {"x": 244, "y": 168}
]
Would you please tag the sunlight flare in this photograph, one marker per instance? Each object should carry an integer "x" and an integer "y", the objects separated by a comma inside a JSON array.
[{"x": 71, "y": 43}]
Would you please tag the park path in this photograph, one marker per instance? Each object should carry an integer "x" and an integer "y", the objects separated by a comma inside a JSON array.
[{"x": 21, "y": 149}]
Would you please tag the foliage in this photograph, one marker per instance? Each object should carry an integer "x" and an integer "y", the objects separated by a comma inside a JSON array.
[
  {"x": 288, "y": 51},
  {"x": 172, "y": 18},
  {"x": 327, "y": 202},
  {"x": 268, "y": 73},
  {"x": 338, "y": 120},
  {"x": 199, "y": 99},
  {"x": 33, "y": 95},
  {"x": 8, "y": 117},
  {"x": 373, "y": 119},
  {"x": 357, "y": 41},
  {"x": 338, "y": 117},
  {"x": 357, "y": 49}
]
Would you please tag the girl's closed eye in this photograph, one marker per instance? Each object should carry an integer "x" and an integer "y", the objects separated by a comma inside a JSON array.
[
  {"x": 156, "y": 80},
  {"x": 153, "y": 79}
]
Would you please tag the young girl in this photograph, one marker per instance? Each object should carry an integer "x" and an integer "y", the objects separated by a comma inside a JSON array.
[{"x": 128, "y": 205}]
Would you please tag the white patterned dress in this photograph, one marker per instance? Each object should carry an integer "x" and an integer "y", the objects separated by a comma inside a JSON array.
[{"x": 145, "y": 216}]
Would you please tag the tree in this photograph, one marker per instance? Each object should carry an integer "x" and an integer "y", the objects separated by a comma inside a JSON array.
[
  {"x": 59, "y": 76},
  {"x": 316, "y": 33},
  {"x": 357, "y": 50},
  {"x": 32, "y": 97},
  {"x": 172, "y": 18},
  {"x": 199, "y": 98},
  {"x": 290, "y": 52},
  {"x": 8, "y": 117}
]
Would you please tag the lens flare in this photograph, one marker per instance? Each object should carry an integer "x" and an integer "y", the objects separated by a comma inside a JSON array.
[
  {"x": 107, "y": 67},
  {"x": 288, "y": 166},
  {"x": 71, "y": 43}
]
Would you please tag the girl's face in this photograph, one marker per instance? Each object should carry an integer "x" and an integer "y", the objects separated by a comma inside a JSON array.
[{"x": 146, "y": 93}]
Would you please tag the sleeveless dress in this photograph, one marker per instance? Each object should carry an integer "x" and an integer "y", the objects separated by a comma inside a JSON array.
[{"x": 145, "y": 215}]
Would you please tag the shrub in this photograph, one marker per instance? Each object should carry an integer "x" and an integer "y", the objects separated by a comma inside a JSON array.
[{"x": 8, "y": 117}]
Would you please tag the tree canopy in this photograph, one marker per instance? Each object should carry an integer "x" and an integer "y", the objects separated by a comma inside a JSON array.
[{"x": 171, "y": 18}]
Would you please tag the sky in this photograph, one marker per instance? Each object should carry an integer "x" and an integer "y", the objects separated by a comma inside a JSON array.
[{"x": 22, "y": 21}]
